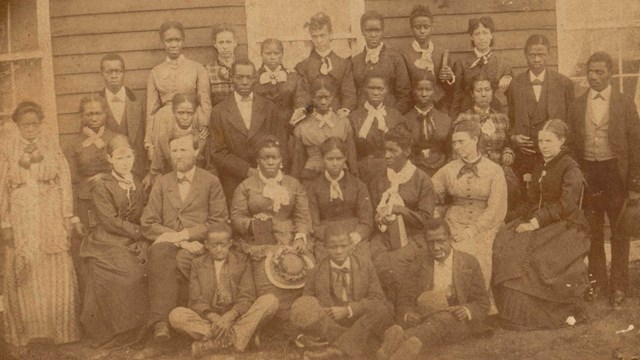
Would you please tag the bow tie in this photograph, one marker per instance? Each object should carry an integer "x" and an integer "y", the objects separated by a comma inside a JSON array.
[
  {"x": 536, "y": 82},
  {"x": 469, "y": 168},
  {"x": 599, "y": 96},
  {"x": 183, "y": 179},
  {"x": 273, "y": 77},
  {"x": 326, "y": 66}
]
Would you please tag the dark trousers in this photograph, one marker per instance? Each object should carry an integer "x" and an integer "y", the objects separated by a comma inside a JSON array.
[
  {"x": 438, "y": 329},
  {"x": 605, "y": 193},
  {"x": 353, "y": 336},
  {"x": 169, "y": 269}
]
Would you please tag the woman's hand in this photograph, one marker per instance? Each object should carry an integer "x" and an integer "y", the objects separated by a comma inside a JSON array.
[
  {"x": 507, "y": 159},
  {"x": 299, "y": 243},
  {"x": 504, "y": 83},
  {"x": 262, "y": 216},
  {"x": 204, "y": 133},
  {"x": 79, "y": 229},
  {"x": 524, "y": 227},
  {"x": 388, "y": 219},
  {"x": 446, "y": 74}
]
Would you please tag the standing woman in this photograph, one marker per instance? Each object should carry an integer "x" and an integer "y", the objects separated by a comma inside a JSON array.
[
  {"x": 495, "y": 130},
  {"x": 36, "y": 210},
  {"x": 478, "y": 192},
  {"x": 482, "y": 59},
  {"x": 315, "y": 128},
  {"x": 225, "y": 43},
  {"x": 115, "y": 297},
  {"x": 337, "y": 197},
  {"x": 551, "y": 235},
  {"x": 176, "y": 74},
  {"x": 275, "y": 82}
]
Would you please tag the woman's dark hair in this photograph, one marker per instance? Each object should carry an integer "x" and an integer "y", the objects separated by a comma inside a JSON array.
[
  {"x": 472, "y": 128},
  {"x": 180, "y": 98},
  {"x": 401, "y": 135},
  {"x": 271, "y": 41},
  {"x": 267, "y": 142},
  {"x": 92, "y": 98},
  {"x": 331, "y": 143},
  {"x": 376, "y": 75},
  {"x": 318, "y": 21},
  {"x": 423, "y": 75},
  {"x": 171, "y": 25},
  {"x": 557, "y": 127},
  {"x": 420, "y": 11},
  {"x": 327, "y": 82},
  {"x": 27, "y": 107},
  {"x": 481, "y": 76},
  {"x": 536, "y": 39},
  {"x": 486, "y": 21},
  {"x": 117, "y": 142},
  {"x": 371, "y": 15},
  {"x": 220, "y": 28}
]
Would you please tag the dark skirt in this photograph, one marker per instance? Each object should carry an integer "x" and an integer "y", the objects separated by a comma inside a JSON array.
[{"x": 539, "y": 277}]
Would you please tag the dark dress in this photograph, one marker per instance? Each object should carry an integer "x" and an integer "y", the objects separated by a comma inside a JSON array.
[
  {"x": 281, "y": 93},
  {"x": 539, "y": 276},
  {"x": 429, "y": 152},
  {"x": 355, "y": 210},
  {"x": 115, "y": 299}
]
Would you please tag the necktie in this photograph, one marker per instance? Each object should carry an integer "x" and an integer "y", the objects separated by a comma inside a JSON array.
[
  {"x": 469, "y": 168},
  {"x": 426, "y": 119},
  {"x": 484, "y": 59},
  {"x": 536, "y": 82},
  {"x": 325, "y": 120},
  {"x": 425, "y": 61},
  {"x": 373, "y": 55},
  {"x": 273, "y": 77},
  {"x": 373, "y": 114},
  {"x": 335, "y": 192},
  {"x": 326, "y": 67},
  {"x": 341, "y": 288}
]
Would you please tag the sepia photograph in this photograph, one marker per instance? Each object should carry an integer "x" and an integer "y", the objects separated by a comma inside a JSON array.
[{"x": 319, "y": 179}]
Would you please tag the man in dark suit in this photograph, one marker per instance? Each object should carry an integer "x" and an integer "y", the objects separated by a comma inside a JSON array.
[
  {"x": 446, "y": 298},
  {"x": 535, "y": 96},
  {"x": 237, "y": 123},
  {"x": 605, "y": 133},
  {"x": 125, "y": 112},
  {"x": 342, "y": 304},
  {"x": 181, "y": 206},
  {"x": 223, "y": 310}
]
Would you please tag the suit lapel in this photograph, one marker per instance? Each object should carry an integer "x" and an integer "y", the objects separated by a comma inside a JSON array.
[
  {"x": 174, "y": 192},
  {"x": 235, "y": 118},
  {"x": 108, "y": 109},
  {"x": 427, "y": 275},
  {"x": 208, "y": 282},
  {"x": 132, "y": 114},
  {"x": 194, "y": 189},
  {"x": 257, "y": 116}
]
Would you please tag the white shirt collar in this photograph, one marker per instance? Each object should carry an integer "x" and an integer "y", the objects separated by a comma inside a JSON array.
[
  {"x": 375, "y": 50},
  {"x": 472, "y": 161},
  {"x": 479, "y": 54},
  {"x": 240, "y": 97},
  {"x": 189, "y": 174},
  {"x": 540, "y": 77},
  {"x": 345, "y": 265},
  {"x": 323, "y": 54},
  {"x": 121, "y": 94},
  {"x": 416, "y": 47},
  {"x": 448, "y": 262},
  {"x": 606, "y": 93}
]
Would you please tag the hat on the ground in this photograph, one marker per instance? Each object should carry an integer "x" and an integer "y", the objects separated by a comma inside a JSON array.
[
  {"x": 432, "y": 301},
  {"x": 305, "y": 312},
  {"x": 286, "y": 268}
]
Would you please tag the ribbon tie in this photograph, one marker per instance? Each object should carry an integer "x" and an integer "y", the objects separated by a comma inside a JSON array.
[
  {"x": 484, "y": 59},
  {"x": 326, "y": 66},
  {"x": 325, "y": 120},
  {"x": 536, "y": 82},
  {"x": 30, "y": 156},
  {"x": 487, "y": 125},
  {"x": 93, "y": 138},
  {"x": 391, "y": 196},
  {"x": 425, "y": 61},
  {"x": 372, "y": 55},
  {"x": 471, "y": 168},
  {"x": 373, "y": 114},
  {"x": 126, "y": 182},
  {"x": 274, "y": 191},
  {"x": 334, "y": 188},
  {"x": 273, "y": 77},
  {"x": 341, "y": 288},
  {"x": 426, "y": 118}
]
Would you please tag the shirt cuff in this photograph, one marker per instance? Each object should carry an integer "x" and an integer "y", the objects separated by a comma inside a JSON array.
[
  {"x": 184, "y": 235},
  {"x": 302, "y": 236},
  {"x": 350, "y": 310},
  {"x": 356, "y": 237},
  {"x": 468, "y": 312},
  {"x": 534, "y": 222},
  {"x": 452, "y": 81}
]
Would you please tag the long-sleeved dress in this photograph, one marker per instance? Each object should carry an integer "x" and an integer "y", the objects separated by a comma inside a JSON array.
[
  {"x": 539, "y": 276},
  {"x": 167, "y": 79},
  {"x": 478, "y": 203},
  {"x": 308, "y": 135},
  {"x": 430, "y": 139},
  {"x": 114, "y": 253},
  {"x": 465, "y": 70},
  {"x": 289, "y": 220},
  {"x": 40, "y": 287},
  {"x": 353, "y": 210},
  {"x": 281, "y": 91}
]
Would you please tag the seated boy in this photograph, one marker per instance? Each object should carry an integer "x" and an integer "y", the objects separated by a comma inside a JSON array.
[
  {"x": 342, "y": 304},
  {"x": 445, "y": 299},
  {"x": 223, "y": 309}
]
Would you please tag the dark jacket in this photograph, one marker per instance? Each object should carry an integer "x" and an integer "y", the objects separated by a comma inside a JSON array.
[
  {"x": 444, "y": 90},
  {"x": 437, "y": 144}
]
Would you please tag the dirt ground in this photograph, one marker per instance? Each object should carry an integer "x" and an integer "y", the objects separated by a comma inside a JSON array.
[{"x": 594, "y": 340}]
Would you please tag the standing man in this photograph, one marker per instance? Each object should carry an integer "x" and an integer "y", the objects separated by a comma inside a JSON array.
[
  {"x": 238, "y": 122},
  {"x": 606, "y": 134},
  {"x": 378, "y": 58},
  {"x": 125, "y": 112},
  {"x": 535, "y": 96},
  {"x": 182, "y": 204}
]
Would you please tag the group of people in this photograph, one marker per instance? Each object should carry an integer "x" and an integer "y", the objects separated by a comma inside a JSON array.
[{"x": 379, "y": 205}]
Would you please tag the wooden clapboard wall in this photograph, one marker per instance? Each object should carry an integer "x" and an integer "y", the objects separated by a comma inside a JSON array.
[
  {"x": 515, "y": 20},
  {"x": 84, "y": 30}
]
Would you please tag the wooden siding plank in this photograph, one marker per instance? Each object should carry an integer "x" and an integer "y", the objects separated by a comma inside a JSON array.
[
  {"x": 147, "y": 21},
  {"x": 402, "y": 8},
  {"x": 84, "y": 7},
  {"x": 146, "y": 40}
]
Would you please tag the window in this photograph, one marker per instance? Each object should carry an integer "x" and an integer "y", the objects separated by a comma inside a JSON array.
[
  {"x": 26, "y": 69},
  {"x": 273, "y": 19},
  {"x": 600, "y": 26}
]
